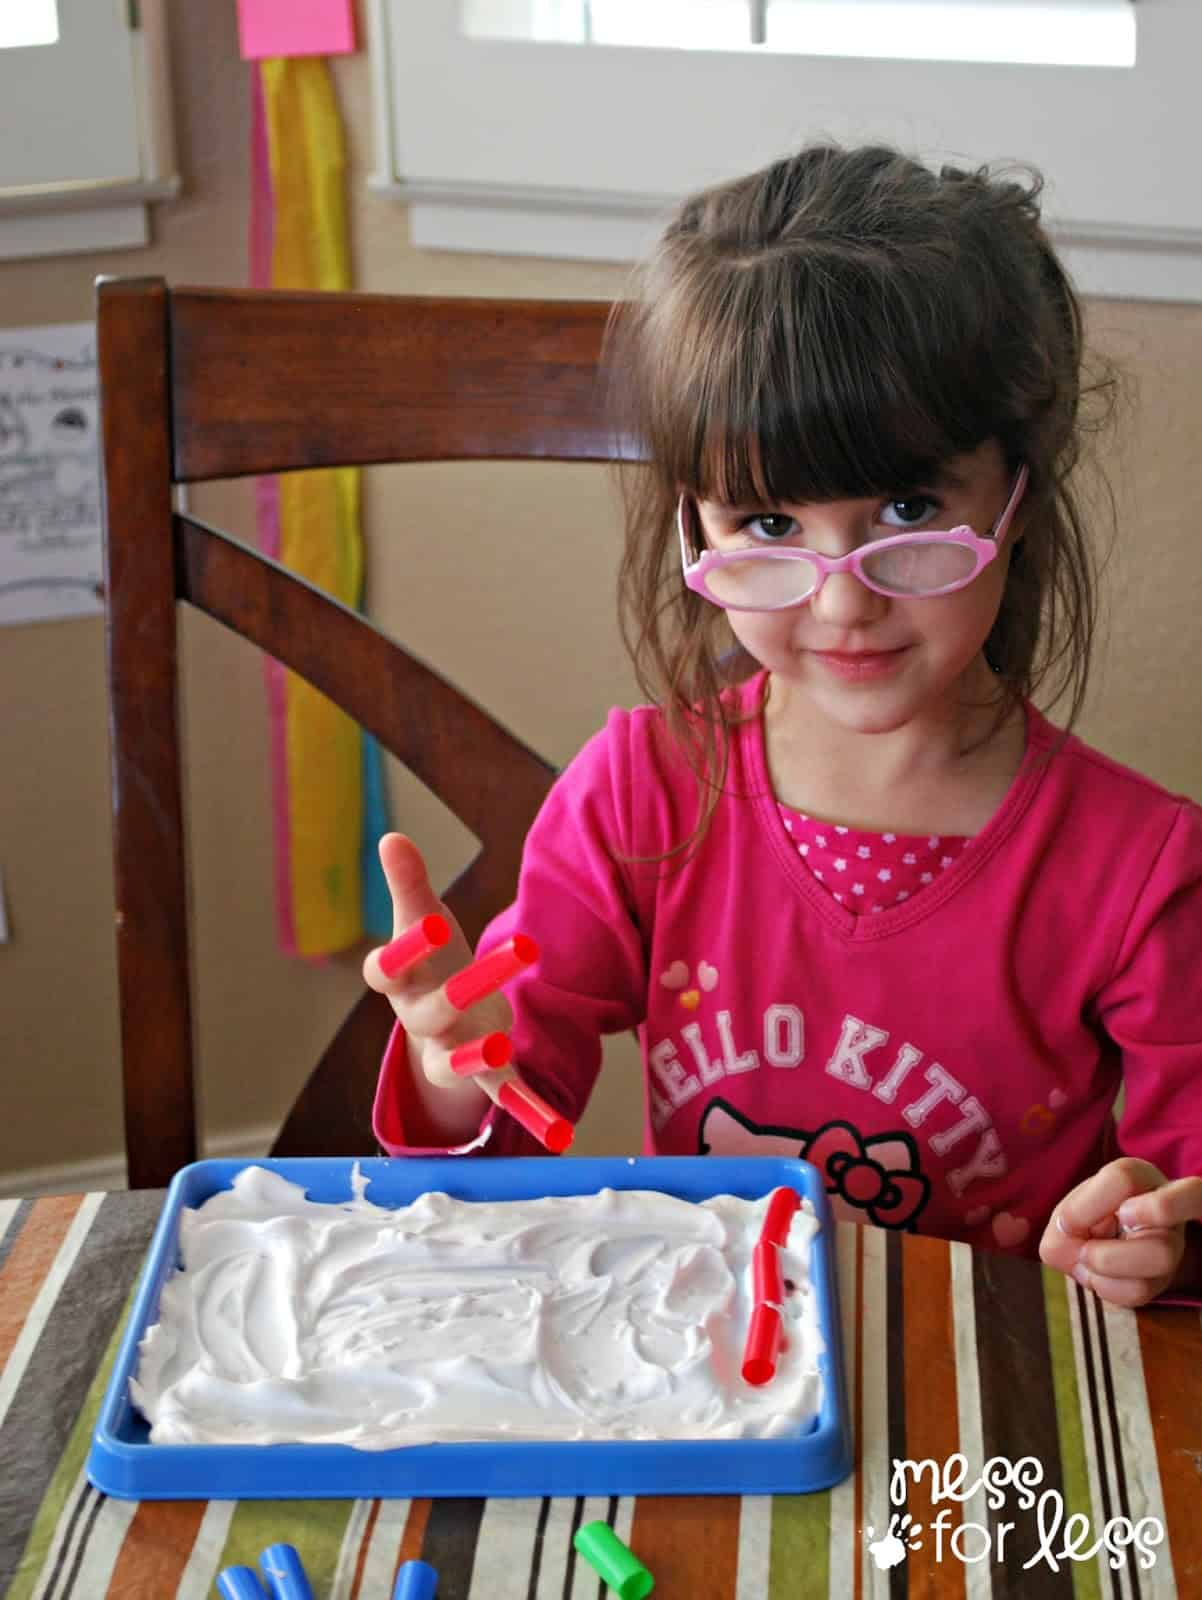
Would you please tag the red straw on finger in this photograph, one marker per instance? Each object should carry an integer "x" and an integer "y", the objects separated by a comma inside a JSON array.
[
  {"x": 535, "y": 1115},
  {"x": 414, "y": 945},
  {"x": 481, "y": 1055},
  {"x": 763, "y": 1344},
  {"x": 485, "y": 976},
  {"x": 767, "y": 1284}
]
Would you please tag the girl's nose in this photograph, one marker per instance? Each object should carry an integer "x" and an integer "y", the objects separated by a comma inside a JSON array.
[{"x": 844, "y": 602}]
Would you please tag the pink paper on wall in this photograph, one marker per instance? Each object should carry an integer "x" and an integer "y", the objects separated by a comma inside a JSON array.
[{"x": 295, "y": 28}]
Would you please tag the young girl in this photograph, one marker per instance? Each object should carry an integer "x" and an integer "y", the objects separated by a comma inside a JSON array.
[{"x": 862, "y": 902}]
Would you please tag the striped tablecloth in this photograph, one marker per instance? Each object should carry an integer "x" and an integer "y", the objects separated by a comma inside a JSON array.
[{"x": 947, "y": 1352}]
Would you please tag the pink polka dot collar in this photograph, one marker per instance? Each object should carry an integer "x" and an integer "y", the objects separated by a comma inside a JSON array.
[{"x": 870, "y": 872}]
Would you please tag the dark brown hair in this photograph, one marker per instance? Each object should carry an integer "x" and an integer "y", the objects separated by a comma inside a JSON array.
[{"x": 836, "y": 326}]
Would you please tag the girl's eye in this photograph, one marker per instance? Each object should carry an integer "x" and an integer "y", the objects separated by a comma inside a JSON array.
[
  {"x": 770, "y": 525},
  {"x": 909, "y": 511}
]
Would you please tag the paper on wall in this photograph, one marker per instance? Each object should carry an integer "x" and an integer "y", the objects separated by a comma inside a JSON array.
[
  {"x": 295, "y": 28},
  {"x": 50, "y": 528}
]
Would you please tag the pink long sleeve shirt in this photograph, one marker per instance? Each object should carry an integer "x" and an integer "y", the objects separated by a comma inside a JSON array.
[{"x": 951, "y": 1063}]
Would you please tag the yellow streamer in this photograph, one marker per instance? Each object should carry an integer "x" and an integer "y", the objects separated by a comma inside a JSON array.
[{"x": 319, "y": 513}]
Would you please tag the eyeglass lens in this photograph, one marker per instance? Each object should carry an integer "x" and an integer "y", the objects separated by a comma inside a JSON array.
[{"x": 762, "y": 578}]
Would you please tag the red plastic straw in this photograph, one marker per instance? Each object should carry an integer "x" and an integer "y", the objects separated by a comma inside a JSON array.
[
  {"x": 763, "y": 1343},
  {"x": 781, "y": 1208},
  {"x": 767, "y": 1283},
  {"x": 766, "y": 1334},
  {"x": 414, "y": 945},
  {"x": 481, "y": 1055},
  {"x": 535, "y": 1115},
  {"x": 485, "y": 977}
]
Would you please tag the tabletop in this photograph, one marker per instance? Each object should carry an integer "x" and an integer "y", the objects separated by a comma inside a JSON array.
[{"x": 1062, "y": 1442}]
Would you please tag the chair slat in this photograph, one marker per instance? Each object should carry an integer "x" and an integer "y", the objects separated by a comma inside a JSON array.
[
  {"x": 491, "y": 781},
  {"x": 267, "y": 381}
]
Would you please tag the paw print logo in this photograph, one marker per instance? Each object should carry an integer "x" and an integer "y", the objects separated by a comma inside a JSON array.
[
  {"x": 677, "y": 977},
  {"x": 894, "y": 1545}
]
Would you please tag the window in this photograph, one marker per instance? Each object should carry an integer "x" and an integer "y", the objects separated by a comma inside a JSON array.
[
  {"x": 84, "y": 134},
  {"x": 1087, "y": 33},
  {"x": 36, "y": 24},
  {"x": 565, "y": 145}
]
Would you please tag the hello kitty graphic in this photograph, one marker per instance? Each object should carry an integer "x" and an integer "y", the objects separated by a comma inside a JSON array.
[{"x": 875, "y": 1179}]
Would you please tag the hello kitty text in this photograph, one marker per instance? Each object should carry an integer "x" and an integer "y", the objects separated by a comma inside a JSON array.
[{"x": 782, "y": 1044}]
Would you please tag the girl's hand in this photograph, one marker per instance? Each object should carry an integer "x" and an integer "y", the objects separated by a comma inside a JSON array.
[
  {"x": 1121, "y": 1233},
  {"x": 433, "y": 1024}
]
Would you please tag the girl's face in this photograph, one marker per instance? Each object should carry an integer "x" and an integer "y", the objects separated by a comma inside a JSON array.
[{"x": 868, "y": 661}]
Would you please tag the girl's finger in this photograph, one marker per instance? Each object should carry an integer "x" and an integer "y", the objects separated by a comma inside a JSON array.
[
  {"x": 1060, "y": 1249},
  {"x": 469, "y": 1002},
  {"x": 506, "y": 1087},
  {"x": 1100, "y": 1197},
  {"x": 412, "y": 965},
  {"x": 489, "y": 973},
  {"x": 1151, "y": 1255},
  {"x": 514, "y": 1095},
  {"x": 414, "y": 945},
  {"x": 1121, "y": 1291},
  {"x": 436, "y": 1064},
  {"x": 1108, "y": 1228},
  {"x": 426, "y": 944},
  {"x": 1166, "y": 1207},
  {"x": 408, "y": 882}
]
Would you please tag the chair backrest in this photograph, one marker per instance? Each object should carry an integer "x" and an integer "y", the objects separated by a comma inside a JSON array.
[{"x": 200, "y": 384}]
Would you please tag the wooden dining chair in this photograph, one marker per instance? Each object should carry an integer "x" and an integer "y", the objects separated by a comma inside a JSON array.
[{"x": 201, "y": 384}]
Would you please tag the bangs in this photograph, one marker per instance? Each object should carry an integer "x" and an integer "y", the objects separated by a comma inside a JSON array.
[{"x": 787, "y": 386}]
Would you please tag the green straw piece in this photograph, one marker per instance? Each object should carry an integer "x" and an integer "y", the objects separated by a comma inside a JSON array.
[{"x": 608, "y": 1556}]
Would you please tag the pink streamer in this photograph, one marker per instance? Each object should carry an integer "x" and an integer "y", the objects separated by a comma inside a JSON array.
[{"x": 261, "y": 239}]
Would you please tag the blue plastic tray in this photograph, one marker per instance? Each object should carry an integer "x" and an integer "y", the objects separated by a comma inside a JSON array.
[{"x": 124, "y": 1463}]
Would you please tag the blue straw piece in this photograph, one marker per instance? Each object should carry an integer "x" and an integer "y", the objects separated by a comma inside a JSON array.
[
  {"x": 239, "y": 1583},
  {"x": 417, "y": 1580},
  {"x": 286, "y": 1579}
]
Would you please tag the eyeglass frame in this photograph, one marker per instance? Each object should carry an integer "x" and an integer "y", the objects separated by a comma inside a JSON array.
[{"x": 985, "y": 549}]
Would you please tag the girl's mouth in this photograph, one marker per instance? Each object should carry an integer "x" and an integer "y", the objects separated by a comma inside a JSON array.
[{"x": 861, "y": 664}]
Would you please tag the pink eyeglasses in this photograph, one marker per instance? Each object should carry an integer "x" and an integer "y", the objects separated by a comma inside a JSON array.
[{"x": 908, "y": 566}]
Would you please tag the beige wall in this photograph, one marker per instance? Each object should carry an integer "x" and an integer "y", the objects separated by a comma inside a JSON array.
[{"x": 541, "y": 651}]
